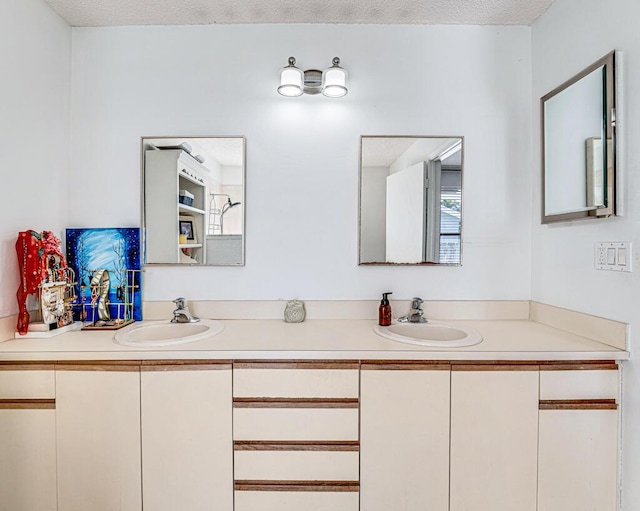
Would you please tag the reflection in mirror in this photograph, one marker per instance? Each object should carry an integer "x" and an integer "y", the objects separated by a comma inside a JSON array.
[
  {"x": 193, "y": 200},
  {"x": 410, "y": 200},
  {"x": 578, "y": 169}
]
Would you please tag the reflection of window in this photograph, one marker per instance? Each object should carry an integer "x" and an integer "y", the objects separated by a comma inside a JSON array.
[{"x": 450, "y": 210}]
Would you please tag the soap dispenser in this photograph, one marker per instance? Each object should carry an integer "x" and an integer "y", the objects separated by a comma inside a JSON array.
[{"x": 384, "y": 311}]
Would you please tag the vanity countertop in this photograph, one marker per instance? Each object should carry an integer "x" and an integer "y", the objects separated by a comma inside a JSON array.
[{"x": 321, "y": 339}]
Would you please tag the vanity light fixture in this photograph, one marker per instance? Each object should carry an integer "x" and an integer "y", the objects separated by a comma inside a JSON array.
[{"x": 331, "y": 82}]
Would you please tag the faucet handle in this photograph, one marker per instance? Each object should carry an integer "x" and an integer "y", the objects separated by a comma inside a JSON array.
[
  {"x": 179, "y": 303},
  {"x": 417, "y": 301}
]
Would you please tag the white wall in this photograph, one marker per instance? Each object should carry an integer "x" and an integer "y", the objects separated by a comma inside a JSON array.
[
  {"x": 569, "y": 37},
  {"x": 221, "y": 80},
  {"x": 35, "y": 59}
]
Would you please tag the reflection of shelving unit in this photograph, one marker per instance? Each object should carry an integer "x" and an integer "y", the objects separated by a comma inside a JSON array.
[{"x": 166, "y": 173}]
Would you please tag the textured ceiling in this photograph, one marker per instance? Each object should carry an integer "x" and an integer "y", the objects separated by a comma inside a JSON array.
[{"x": 96, "y": 13}]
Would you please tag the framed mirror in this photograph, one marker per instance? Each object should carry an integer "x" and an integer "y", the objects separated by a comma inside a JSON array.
[
  {"x": 578, "y": 169},
  {"x": 193, "y": 200},
  {"x": 410, "y": 200}
]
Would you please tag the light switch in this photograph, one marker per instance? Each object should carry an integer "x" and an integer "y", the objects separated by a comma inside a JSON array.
[
  {"x": 622, "y": 256},
  {"x": 613, "y": 256}
]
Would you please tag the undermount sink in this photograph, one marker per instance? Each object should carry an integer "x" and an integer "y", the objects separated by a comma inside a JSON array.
[
  {"x": 432, "y": 334},
  {"x": 165, "y": 333}
]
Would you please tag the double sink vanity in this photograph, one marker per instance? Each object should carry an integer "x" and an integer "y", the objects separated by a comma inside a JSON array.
[
  {"x": 169, "y": 333},
  {"x": 328, "y": 414}
]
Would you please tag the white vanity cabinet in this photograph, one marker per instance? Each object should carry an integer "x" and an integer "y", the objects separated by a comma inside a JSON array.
[
  {"x": 318, "y": 435},
  {"x": 27, "y": 438},
  {"x": 577, "y": 466},
  {"x": 167, "y": 172},
  {"x": 295, "y": 430},
  {"x": 98, "y": 437},
  {"x": 404, "y": 436},
  {"x": 187, "y": 447},
  {"x": 494, "y": 437}
]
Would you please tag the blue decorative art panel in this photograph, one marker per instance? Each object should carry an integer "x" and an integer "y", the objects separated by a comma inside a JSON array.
[{"x": 107, "y": 266}]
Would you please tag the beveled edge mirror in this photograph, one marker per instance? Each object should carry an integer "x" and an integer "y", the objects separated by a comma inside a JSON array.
[
  {"x": 410, "y": 200},
  {"x": 578, "y": 171},
  {"x": 193, "y": 209}
]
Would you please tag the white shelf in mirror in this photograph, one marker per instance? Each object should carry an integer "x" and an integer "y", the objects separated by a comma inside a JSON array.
[{"x": 190, "y": 209}]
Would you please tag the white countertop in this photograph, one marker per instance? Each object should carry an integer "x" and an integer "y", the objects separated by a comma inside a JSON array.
[{"x": 322, "y": 339}]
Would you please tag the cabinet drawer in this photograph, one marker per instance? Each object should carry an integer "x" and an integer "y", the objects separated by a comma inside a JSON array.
[
  {"x": 296, "y": 501},
  {"x": 295, "y": 423},
  {"x": 26, "y": 383},
  {"x": 579, "y": 384},
  {"x": 291, "y": 465},
  {"x": 278, "y": 380}
]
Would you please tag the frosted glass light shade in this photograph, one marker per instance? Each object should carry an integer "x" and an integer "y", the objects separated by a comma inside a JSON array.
[
  {"x": 335, "y": 81},
  {"x": 291, "y": 80}
]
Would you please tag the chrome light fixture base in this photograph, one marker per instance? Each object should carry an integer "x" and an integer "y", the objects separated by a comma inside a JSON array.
[{"x": 312, "y": 82}]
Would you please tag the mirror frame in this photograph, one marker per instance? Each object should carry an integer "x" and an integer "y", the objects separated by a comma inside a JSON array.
[
  {"x": 422, "y": 263},
  {"x": 143, "y": 224},
  {"x": 609, "y": 119}
]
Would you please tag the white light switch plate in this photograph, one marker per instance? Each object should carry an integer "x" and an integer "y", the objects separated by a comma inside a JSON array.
[{"x": 613, "y": 256}]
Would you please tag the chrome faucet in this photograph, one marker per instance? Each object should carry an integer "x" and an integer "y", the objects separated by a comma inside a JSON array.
[
  {"x": 416, "y": 314},
  {"x": 181, "y": 314}
]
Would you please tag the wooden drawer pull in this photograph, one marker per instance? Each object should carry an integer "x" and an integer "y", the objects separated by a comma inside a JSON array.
[
  {"x": 405, "y": 365},
  {"x": 296, "y": 364},
  {"x": 506, "y": 365},
  {"x": 578, "y": 404},
  {"x": 296, "y": 445},
  {"x": 598, "y": 365},
  {"x": 184, "y": 365},
  {"x": 294, "y": 402},
  {"x": 310, "y": 486},
  {"x": 26, "y": 366},
  {"x": 27, "y": 404},
  {"x": 98, "y": 365}
]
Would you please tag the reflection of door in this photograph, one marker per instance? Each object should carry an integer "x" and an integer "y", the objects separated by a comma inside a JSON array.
[
  {"x": 413, "y": 214},
  {"x": 406, "y": 215}
]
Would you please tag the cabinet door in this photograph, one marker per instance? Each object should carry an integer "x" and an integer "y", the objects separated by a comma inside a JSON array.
[
  {"x": 98, "y": 437},
  {"x": 404, "y": 443},
  {"x": 27, "y": 440},
  {"x": 187, "y": 447},
  {"x": 494, "y": 438},
  {"x": 578, "y": 460}
]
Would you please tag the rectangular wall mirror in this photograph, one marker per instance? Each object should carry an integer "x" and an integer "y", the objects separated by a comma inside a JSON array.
[
  {"x": 193, "y": 200},
  {"x": 410, "y": 200},
  {"x": 578, "y": 169}
]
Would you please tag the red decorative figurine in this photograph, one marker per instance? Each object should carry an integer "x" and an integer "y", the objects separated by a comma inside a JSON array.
[{"x": 41, "y": 261}]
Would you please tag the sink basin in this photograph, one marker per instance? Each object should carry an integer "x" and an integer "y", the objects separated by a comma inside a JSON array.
[
  {"x": 432, "y": 334},
  {"x": 165, "y": 333}
]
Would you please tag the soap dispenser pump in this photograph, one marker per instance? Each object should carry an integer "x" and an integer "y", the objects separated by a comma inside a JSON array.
[{"x": 384, "y": 311}]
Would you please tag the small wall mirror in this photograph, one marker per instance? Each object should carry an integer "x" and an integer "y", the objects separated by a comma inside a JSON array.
[
  {"x": 578, "y": 169},
  {"x": 410, "y": 200},
  {"x": 193, "y": 200}
]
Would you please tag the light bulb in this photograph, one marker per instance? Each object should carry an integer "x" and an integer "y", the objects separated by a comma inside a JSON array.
[
  {"x": 291, "y": 80},
  {"x": 335, "y": 80}
]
